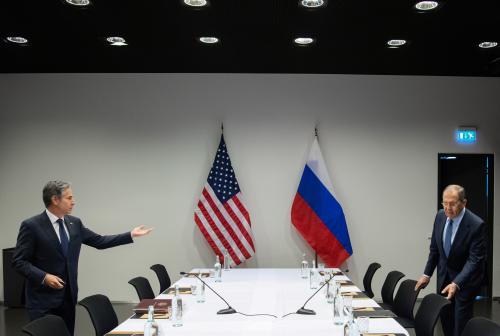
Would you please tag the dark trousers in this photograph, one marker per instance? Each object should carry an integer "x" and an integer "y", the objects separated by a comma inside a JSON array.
[
  {"x": 455, "y": 316},
  {"x": 66, "y": 311}
]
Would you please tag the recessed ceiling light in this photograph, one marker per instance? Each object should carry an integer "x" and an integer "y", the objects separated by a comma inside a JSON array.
[
  {"x": 196, "y": 3},
  {"x": 488, "y": 44},
  {"x": 209, "y": 39},
  {"x": 312, "y": 3},
  {"x": 78, "y": 2},
  {"x": 17, "y": 39},
  {"x": 303, "y": 40},
  {"x": 426, "y": 5},
  {"x": 116, "y": 41},
  {"x": 396, "y": 43}
]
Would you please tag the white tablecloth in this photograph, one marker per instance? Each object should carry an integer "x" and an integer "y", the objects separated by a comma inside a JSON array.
[{"x": 253, "y": 291}]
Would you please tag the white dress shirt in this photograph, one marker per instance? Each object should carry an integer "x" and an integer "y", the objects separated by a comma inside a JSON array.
[{"x": 53, "y": 219}]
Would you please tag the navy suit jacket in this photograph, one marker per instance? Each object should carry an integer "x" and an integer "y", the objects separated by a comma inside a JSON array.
[
  {"x": 465, "y": 264},
  {"x": 38, "y": 251}
]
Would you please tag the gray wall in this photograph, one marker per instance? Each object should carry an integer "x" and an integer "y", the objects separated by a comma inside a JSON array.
[{"x": 138, "y": 147}]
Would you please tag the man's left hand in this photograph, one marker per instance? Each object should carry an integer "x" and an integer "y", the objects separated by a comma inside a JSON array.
[
  {"x": 140, "y": 231},
  {"x": 451, "y": 289}
]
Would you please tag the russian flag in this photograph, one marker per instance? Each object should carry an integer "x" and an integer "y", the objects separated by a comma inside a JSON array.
[{"x": 317, "y": 215}]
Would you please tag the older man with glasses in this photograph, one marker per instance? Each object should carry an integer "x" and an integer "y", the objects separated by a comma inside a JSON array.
[{"x": 458, "y": 249}]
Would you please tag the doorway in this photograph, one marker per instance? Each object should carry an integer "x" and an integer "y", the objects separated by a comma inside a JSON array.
[{"x": 475, "y": 173}]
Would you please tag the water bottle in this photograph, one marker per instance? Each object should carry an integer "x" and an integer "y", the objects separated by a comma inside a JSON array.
[
  {"x": 347, "y": 300},
  {"x": 218, "y": 269},
  {"x": 331, "y": 291},
  {"x": 321, "y": 273},
  {"x": 350, "y": 328},
  {"x": 227, "y": 262},
  {"x": 338, "y": 309},
  {"x": 313, "y": 276},
  {"x": 151, "y": 327},
  {"x": 304, "y": 267},
  {"x": 200, "y": 293},
  {"x": 176, "y": 309}
]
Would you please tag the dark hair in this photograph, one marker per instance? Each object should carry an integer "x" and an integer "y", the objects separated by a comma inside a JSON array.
[{"x": 53, "y": 188}]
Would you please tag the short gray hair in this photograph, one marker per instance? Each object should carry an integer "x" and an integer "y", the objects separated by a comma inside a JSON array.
[
  {"x": 458, "y": 189},
  {"x": 53, "y": 188}
]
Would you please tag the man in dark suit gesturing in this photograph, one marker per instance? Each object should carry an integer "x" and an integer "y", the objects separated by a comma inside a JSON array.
[
  {"x": 458, "y": 249},
  {"x": 47, "y": 252}
]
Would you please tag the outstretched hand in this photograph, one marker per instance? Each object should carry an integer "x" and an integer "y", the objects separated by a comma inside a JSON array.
[{"x": 140, "y": 231}]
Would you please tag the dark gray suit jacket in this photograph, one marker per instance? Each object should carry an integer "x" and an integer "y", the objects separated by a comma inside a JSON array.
[
  {"x": 38, "y": 252},
  {"x": 465, "y": 264}
]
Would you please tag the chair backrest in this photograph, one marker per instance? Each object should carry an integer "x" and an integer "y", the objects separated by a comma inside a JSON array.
[
  {"x": 367, "y": 279},
  {"x": 389, "y": 285},
  {"x": 101, "y": 313},
  {"x": 480, "y": 326},
  {"x": 404, "y": 302},
  {"x": 162, "y": 274},
  {"x": 143, "y": 288},
  {"x": 49, "y": 325},
  {"x": 428, "y": 314}
]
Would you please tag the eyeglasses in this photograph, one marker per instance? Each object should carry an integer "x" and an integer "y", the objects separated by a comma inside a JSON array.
[{"x": 450, "y": 204}]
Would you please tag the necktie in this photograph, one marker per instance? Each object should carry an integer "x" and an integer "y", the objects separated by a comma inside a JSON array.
[
  {"x": 63, "y": 237},
  {"x": 447, "y": 238}
]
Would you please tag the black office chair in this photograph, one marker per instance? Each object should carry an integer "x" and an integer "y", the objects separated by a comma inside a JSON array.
[
  {"x": 388, "y": 288},
  {"x": 367, "y": 279},
  {"x": 404, "y": 303},
  {"x": 143, "y": 288},
  {"x": 480, "y": 326},
  {"x": 163, "y": 278},
  {"x": 101, "y": 313},
  {"x": 428, "y": 314},
  {"x": 49, "y": 325}
]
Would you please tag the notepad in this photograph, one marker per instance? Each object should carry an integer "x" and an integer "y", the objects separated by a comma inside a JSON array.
[
  {"x": 355, "y": 295},
  {"x": 193, "y": 275},
  {"x": 182, "y": 290},
  {"x": 322, "y": 273},
  {"x": 364, "y": 309},
  {"x": 379, "y": 313},
  {"x": 156, "y": 316},
  {"x": 160, "y": 306}
]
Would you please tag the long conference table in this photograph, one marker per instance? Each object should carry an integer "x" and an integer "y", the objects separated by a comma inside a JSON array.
[{"x": 259, "y": 291}]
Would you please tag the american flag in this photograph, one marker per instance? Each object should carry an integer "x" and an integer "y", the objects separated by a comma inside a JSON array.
[{"x": 220, "y": 213}]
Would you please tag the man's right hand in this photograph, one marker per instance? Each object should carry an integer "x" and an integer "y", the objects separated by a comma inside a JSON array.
[
  {"x": 53, "y": 281},
  {"x": 422, "y": 282}
]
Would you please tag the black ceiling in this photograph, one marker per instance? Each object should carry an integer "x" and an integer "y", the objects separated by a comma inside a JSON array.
[{"x": 256, "y": 37}]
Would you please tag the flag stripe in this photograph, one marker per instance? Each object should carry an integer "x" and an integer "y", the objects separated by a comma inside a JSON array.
[
  {"x": 226, "y": 228},
  {"x": 214, "y": 242},
  {"x": 242, "y": 209},
  {"x": 317, "y": 164},
  {"x": 325, "y": 206},
  {"x": 317, "y": 233},
  {"x": 227, "y": 240},
  {"x": 213, "y": 228},
  {"x": 214, "y": 232},
  {"x": 227, "y": 222},
  {"x": 241, "y": 222}
]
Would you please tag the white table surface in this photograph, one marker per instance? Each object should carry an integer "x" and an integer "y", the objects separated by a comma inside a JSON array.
[{"x": 253, "y": 291}]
